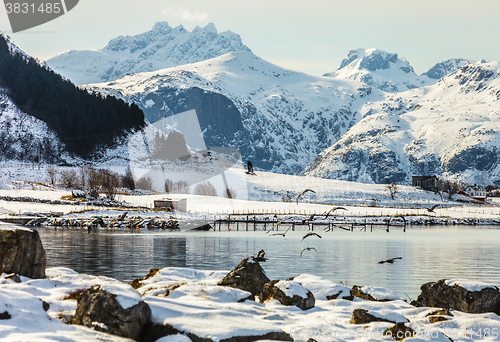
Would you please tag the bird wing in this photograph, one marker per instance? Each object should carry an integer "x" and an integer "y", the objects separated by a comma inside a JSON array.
[
  {"x": 308, "y": 249},
  {"x": 306, "y": 235},
  {"x": 434, "y": 206},
  {"x": 277, "y": 223},
  {"x": 333, "y": 209},
  {"x": 317, "y": 235},
  {"x": 287, "y": 230}
]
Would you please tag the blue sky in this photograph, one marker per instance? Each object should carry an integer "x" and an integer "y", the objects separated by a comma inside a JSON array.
[{"x": 310, "y": 36}]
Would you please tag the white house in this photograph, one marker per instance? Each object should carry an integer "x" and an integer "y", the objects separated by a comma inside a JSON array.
[{"x": 476, "y": 192}]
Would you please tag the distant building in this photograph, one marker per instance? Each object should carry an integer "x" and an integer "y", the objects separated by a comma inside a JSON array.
[
  {"x": 476, "y": 191},
  {"x": 428, "y": 183},
  {"x": 179, "y": 204}
]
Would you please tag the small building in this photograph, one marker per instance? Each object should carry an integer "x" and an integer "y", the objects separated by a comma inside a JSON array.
[
  {"x": 428, "y": 183},
  {"x": 179, "y": 204},
  {"x": 476, "y": 191}
]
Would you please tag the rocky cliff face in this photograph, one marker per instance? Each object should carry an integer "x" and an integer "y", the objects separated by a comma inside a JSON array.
[
  {"x": 160, "y": 48},
  {"x": 450, "y": 128},
  {"x": 447, "y": 67}
]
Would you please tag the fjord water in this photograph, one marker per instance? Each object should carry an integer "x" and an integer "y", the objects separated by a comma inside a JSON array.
[{"x": 429, "y": 254}]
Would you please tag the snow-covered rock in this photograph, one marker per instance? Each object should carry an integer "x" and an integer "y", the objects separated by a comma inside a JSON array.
[
  {"x": 379, "y": 69},
  {"x": 161, "y": 47}
]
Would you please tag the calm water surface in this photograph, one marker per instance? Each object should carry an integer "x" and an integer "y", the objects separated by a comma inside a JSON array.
[{"x": 429, "y": 254}]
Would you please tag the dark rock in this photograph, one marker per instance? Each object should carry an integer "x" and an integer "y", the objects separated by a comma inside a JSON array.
[
  {"x": 442, "y": 312},
  {"x": 399, "y": 332},
  {"x": 356, "y": 292},
  {"x": 248, "y": 275},
  {"x": 435, "y": 319},
  {"x": 153, "y": 332},
  {"x": 273, "y": 336},
  {"x": 362, "y": 316},
  {"x": 438, "y": 294},
  {"x": 14, "y": 277},
  {"x": 45, "y": 306},
  {"x": 271, "y": 291},
  {"x": 98, "y": 306},
  {"x": 136, "y": 283},
  {"x": 21, "y": 252},
  {"x": 5, "y": 315}
]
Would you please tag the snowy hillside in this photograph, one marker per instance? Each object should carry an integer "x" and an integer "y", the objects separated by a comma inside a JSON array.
[
  {"x": 381, "y": 70},
  {"x": 160, "y": 48},
  {"x": 451, "y": 127},
  {"x": 447, "y": 67},
  {"x": 279, "y": 119}
]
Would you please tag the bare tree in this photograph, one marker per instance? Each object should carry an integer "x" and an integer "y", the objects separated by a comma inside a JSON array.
[
  {"x": 205, "y": 189},
  {"x": 144, "y": 183},
  {"x": 69, "y": 178},
  {"x": 392, "y": 187},
  {"x": 451, "y": 187},
  {"x": 127, "y": 180},
  {"x": 169, "y": 186},
  {"x": 180, "y": 187},
  {"x": 109, "y": 183},
  {"x": 52, "y": 173}
]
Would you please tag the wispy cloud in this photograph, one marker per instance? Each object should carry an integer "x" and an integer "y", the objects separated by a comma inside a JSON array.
[{"x": 184, "y": 14}]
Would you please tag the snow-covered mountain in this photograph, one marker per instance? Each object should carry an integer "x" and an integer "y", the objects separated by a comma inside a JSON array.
[
  {"x": 278, "y": 118},
  {"x": 161, "y": 47},
  {"x": 447, "y": 67},
  {"x": 450, "y": 128},
  {"x": 381, "y": 70}
]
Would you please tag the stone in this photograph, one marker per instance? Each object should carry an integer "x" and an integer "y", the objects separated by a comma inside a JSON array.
[
  {"x": 362, "y": 316},
  {"x": 357, "y": 292},
  {"x": 100, "y": 310},
  {"x": 399, "y": 332},
  {"x": 274, "y": 290},
  {"x": 22, "y": 253},
  {"x": 439, "y": 294},
  {"x": 248, "y": 275}
]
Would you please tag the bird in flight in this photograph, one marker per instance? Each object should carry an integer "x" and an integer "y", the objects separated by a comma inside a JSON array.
[
  {"x": 333, "y": 209},
  {"x": 431, "y": 209},
  {"x": 311, "y": 218},
  {"x": 308, "y": 249},
  {"x": 310, "y": 234},
  {"x": 390, "y": 261},
  {"x": 283, "y": 234},
  {"x": 301, "y": 193},
  {"x": 277, "y": 223}
]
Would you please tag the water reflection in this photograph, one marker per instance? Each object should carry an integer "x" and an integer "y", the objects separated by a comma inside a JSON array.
[{"x": 429, "y": 254}]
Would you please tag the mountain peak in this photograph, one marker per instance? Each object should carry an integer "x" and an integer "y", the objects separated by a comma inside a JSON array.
[
  {"x": 447, "y": 67},
  {"x": 380, "y": 69},
  {"x": 161, "y": 47}
]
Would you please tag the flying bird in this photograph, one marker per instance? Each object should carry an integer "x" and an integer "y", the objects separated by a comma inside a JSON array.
[
  {"x": 311, "y": 218},
  {"x": 431, "y": 209},
  {"x": 283, "y": 234},
  {"x": 310, "y": 234},
  {"x": 260, "y": 256},
  {"x": 277, "y": 223},
  {"x": 390, "y": 261},
  {"x": 333, "y": 209},
  {"x": 301, "y": 193},
  {"x": 308, "y": 249},
  {"x": 122, "y": 216}
]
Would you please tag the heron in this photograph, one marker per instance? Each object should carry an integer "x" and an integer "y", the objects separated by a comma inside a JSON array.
[
  {"x": 283, "y": 234},
  {"x": 308, "y": 249},
  {"x": 333, "y": 209},
  {"x": 310, "y": 234},
  {"x": 260, "y": 256},
  {"x": 431, "y": 209},
  {"x": 301, "y": 193},
  {"x": 390, "y": 261},
  {"x": 277, "y": 223}
]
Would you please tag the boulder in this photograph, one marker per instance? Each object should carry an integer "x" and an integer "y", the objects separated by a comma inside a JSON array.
[
  {"x": 288, "y": 292},
  {"x": 248, "y": 275},
  {"x": 450, "y": 295},
  {"x": 362, "y": 316},
  {"x": 100, "y": 310},
  {"x": 399, "y": 332},
  {"x": 21, "y": 252}
]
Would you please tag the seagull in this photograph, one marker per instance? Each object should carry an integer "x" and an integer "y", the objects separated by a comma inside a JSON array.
[
  {"x": 311, "y": 218},
  {"x": 400, "y": 216},
  {"x": 303, "y": 192},
  {"x": 277, "y": 223},
  {"x": 310, "y": 234},
  {"x": 333, "y": 209},
  {"x": 390, "y": 261},
  {"x": 431, "y": 209},
  {"x": 260, "y": 256},
  {"x": 283, "y": 234},
  {"x": 308, "y": 249}
]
